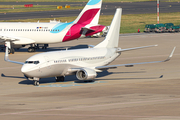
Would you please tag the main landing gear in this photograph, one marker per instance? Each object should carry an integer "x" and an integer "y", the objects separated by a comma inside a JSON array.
[
  {"x": 31, "y": 49},
  {"x": 34, "y": 47},
  {"x": 60, "y": 79},
  {"x": 11, "y": 51},
  {"x": 10, "y": 47}
]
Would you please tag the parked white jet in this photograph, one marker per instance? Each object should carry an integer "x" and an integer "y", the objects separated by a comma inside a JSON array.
[
  {"x": 85, "y": 63},
  {"x": 17, "y": 34}
]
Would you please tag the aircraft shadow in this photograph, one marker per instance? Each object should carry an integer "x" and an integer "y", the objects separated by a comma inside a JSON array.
[
  {"x": 106, "y": 73},
  {"x": 130, "y": 78},
  {"x": 73, "y": 78},
  {"x": 2, "y": 75},
  {"x": 27, "y": 82}
]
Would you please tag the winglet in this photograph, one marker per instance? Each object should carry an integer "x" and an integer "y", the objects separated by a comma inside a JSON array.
[{"x": 170, "y": 56}]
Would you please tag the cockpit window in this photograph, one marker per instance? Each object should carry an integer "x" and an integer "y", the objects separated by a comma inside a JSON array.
[
  {"x": 32, "y": 62},
  {"x": 36, "y": 62}
]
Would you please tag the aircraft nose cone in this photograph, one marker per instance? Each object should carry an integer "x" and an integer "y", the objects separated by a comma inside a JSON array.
[
  {"x": 28, "y": 71},
  {"x": 24, "y": 70}
]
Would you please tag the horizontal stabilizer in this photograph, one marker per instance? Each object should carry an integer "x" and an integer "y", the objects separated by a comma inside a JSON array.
[{"x": 86, "y": 29}]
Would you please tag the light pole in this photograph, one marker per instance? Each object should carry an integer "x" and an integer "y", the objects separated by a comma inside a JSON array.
[{"x": 158, "y": 11}]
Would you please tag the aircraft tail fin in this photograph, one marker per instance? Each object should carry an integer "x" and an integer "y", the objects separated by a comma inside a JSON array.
[
  {"x": 90, "y": 14},
  {"x": 112, "y": 38}
]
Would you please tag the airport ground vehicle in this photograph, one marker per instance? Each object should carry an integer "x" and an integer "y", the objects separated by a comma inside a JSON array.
[
  {"x": 159, "y": 28},
  {"x": 171, "y": 28},
  {"x": 149, "y": 28}
]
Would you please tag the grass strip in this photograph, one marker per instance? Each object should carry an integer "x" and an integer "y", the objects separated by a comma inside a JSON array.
[
  {"x": 129, "y": 24},
  {"x": 21, "y": 8}
]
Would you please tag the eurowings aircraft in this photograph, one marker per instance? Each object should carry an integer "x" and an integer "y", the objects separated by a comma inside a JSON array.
[
  {"x": 85, "y": 63},
  {"x": 17, "y": 34}
]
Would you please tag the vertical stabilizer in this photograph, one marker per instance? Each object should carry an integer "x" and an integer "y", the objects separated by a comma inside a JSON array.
[
  {"x": 90, "y": 14},
  {"x": 112, "y": 38}
]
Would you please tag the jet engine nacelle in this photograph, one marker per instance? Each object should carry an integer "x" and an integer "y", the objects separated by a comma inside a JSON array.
[{"x": 86, "y": 74}]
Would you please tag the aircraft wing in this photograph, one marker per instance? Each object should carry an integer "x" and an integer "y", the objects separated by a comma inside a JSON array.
[
  {"x": 132, "y": 64},
  {"x": 90, "y": 46},
  {"x": 6, "y": 37},
  {"x": 6, "y": 58},
  {"x": 15, "y": 40},
  {"x": 128, "y": 49}
]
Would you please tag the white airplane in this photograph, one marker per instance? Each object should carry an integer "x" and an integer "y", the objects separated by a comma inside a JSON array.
[
  {"x": 85, "y": 63},
  {"x": 17, "y": 34}
]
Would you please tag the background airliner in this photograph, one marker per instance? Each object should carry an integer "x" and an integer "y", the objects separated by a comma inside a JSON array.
[
  {"x": 85, "y": 63},
  {"x": 16, "y": 34}
]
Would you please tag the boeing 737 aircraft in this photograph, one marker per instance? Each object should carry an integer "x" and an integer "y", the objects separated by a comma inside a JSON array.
[
  {"x": 17, "y": 34},
  {"x": 85, "y": 63}
]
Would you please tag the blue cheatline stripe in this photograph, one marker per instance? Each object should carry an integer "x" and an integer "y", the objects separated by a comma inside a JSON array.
[
  {"x": 58, "y": 85},
  {"x": 93, "y": 2},
  {"x": 60, "y": 27}
]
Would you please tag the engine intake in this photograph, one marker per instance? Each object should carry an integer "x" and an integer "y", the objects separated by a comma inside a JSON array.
[{"x": 86, "y": 74}]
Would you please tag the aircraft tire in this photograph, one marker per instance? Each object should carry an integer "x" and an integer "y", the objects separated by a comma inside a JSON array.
[
  {"x": 36, "y": 83},
  {"x": 31, "y": 49},
  {"x": 11, "y": 51}
]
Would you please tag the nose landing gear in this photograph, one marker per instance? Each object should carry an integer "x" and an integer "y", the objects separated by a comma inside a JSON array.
[{"x": 36, "y": 81}]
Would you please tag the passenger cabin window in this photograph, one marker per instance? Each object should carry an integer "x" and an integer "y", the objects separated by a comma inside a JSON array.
[{"x": 54, "y": 30}]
